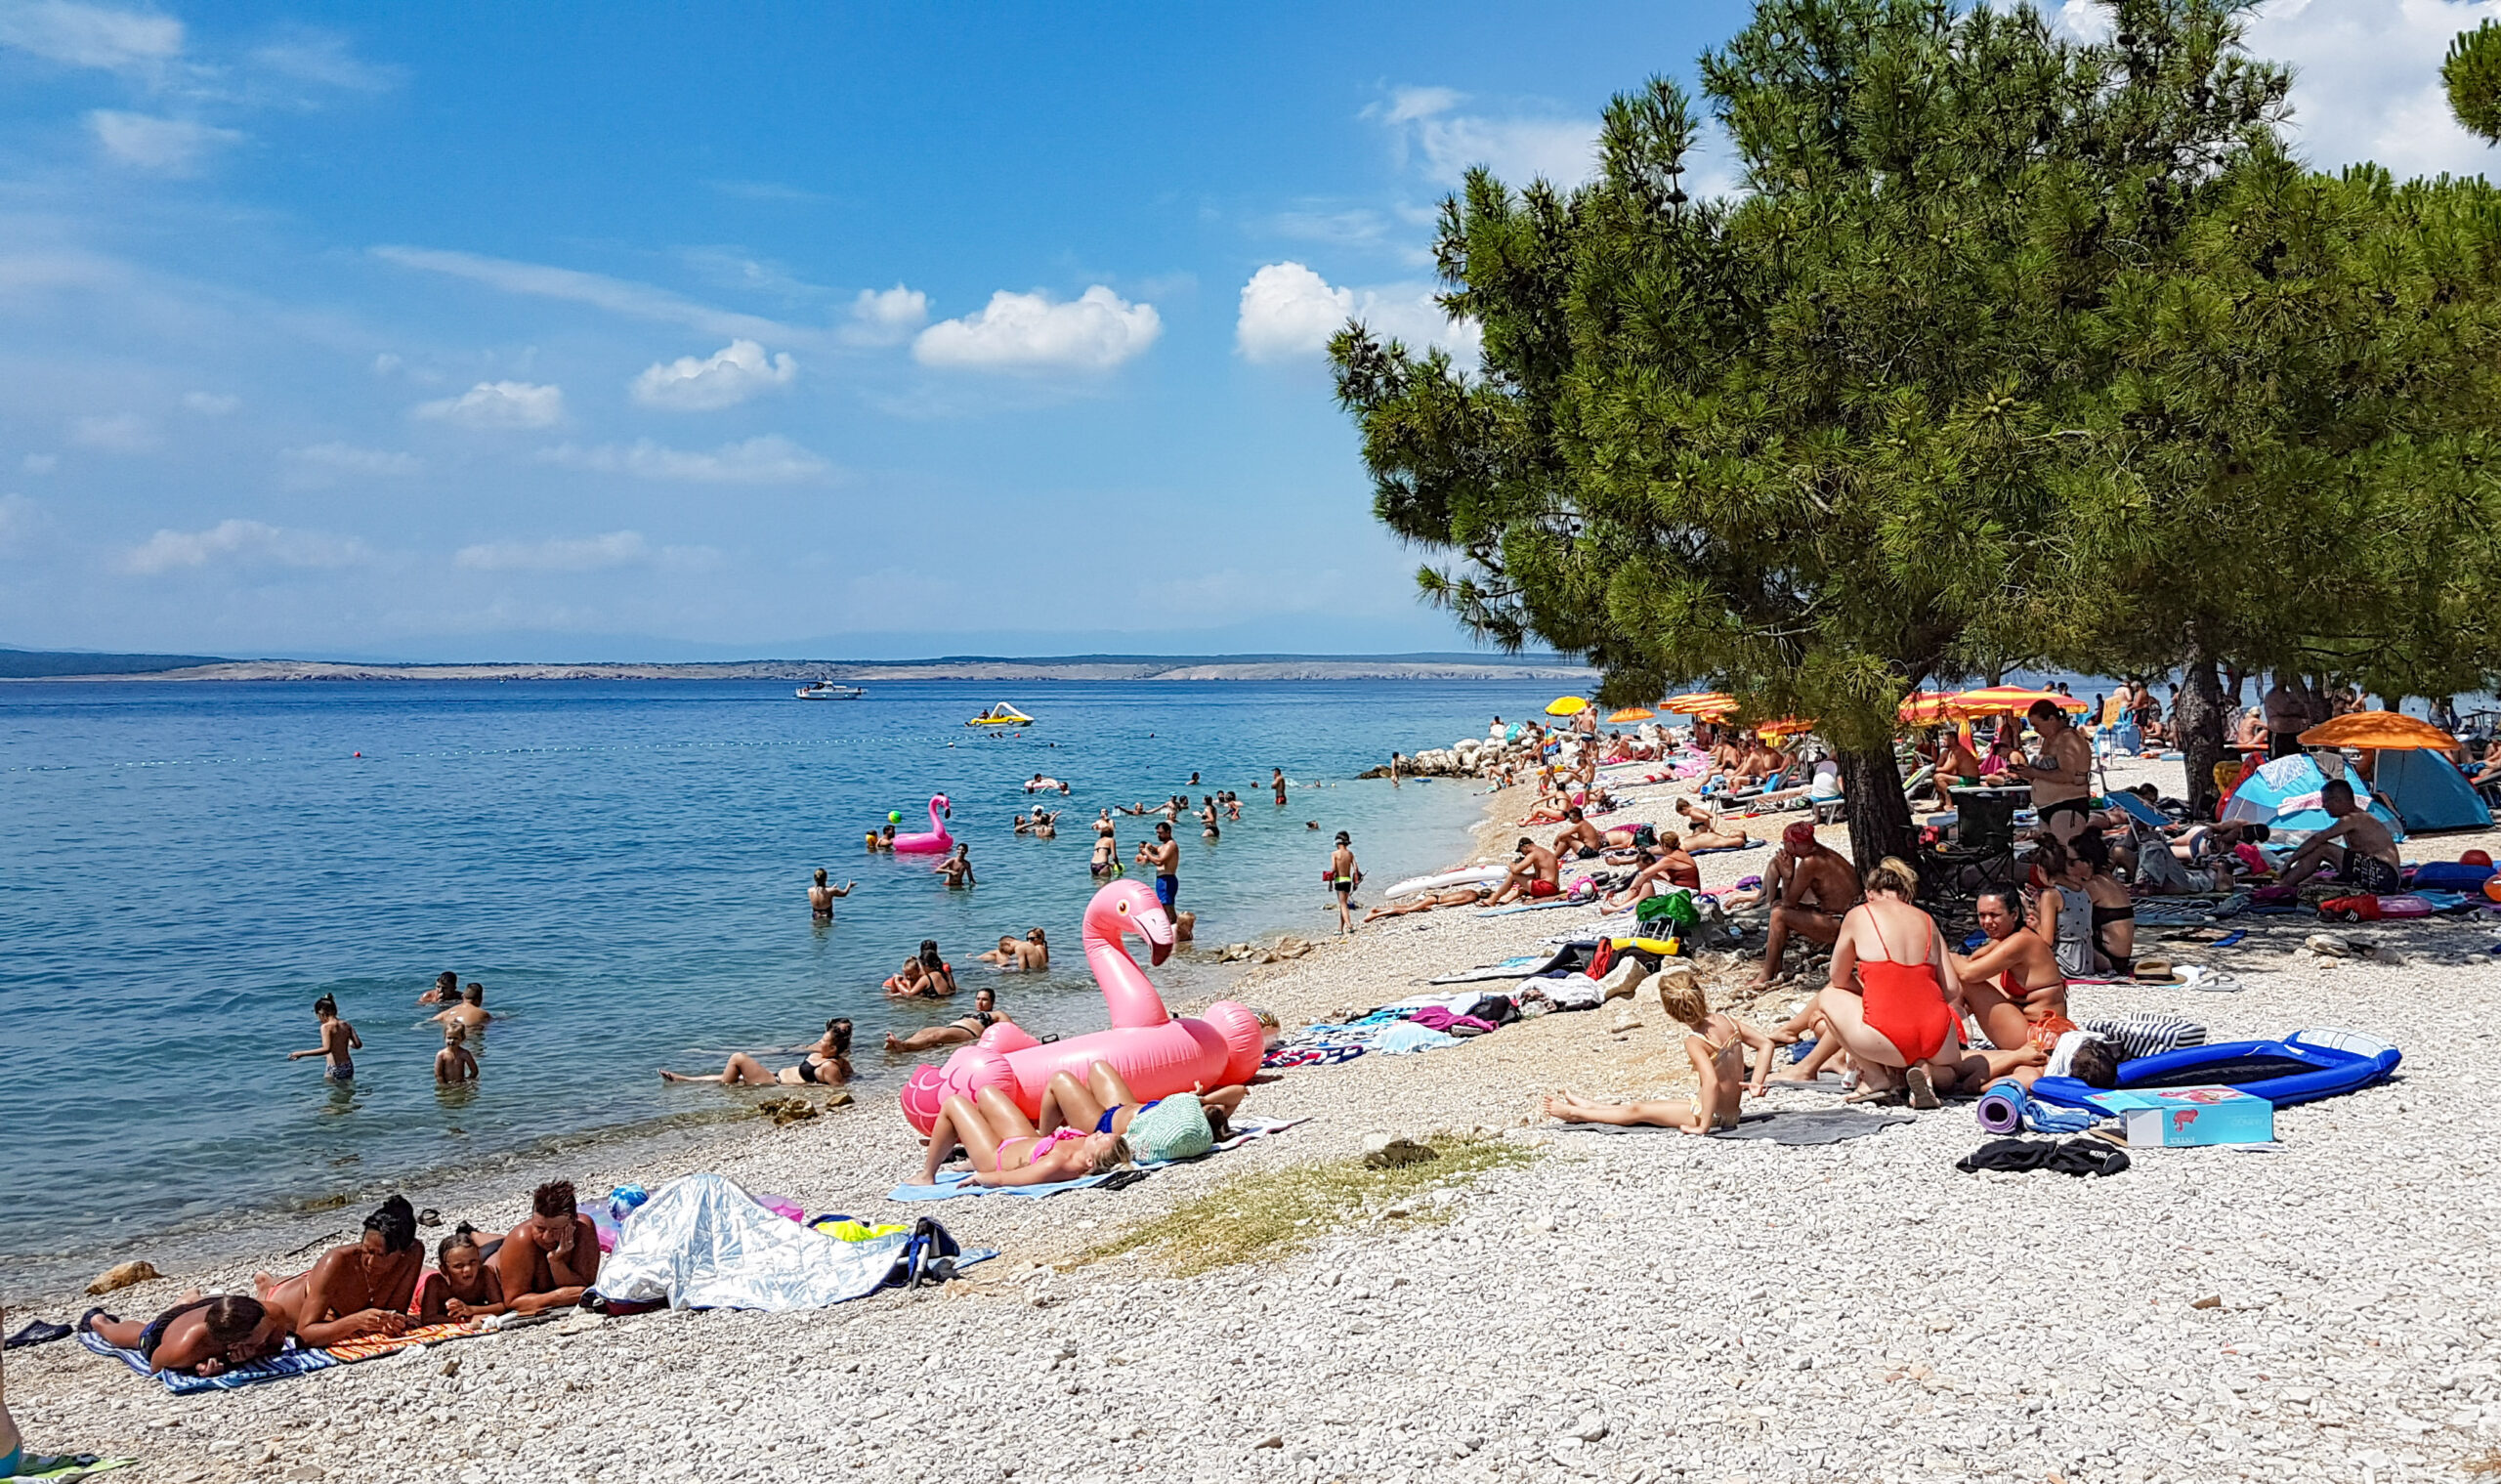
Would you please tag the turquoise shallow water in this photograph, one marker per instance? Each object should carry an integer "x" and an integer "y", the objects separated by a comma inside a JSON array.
[{"x": 186, "y": 867}]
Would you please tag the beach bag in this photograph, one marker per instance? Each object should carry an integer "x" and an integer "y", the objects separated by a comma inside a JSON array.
[
  {"x": 1172, "y": 1127},
  {"x": 1675, "y": 906}
]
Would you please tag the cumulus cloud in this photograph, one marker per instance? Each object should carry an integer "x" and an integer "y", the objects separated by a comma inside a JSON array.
[
  {"x": 1289, "y": 311},
  {"x": 728, "y": 376},
  {"x": 499, "y": 405},
  {"x": 211, "y": 403},
  {"x": 322, "y": 464},
  {"x": 90, "y": 35},
  {"x": 770, "y": 459},
  {"x": 116, "y": 433},
  {"x": 1032, "y": 332},
  {"x": 1431, "y": 127},
  {"x": 617, "y": 548},
  {"x": 239, "y": 543},
  {"x": 147, "y": 142},
  {"x": 886, "y": 316}
]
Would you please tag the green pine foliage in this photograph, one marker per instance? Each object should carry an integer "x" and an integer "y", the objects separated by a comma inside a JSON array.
[{"x": 2472, "y": 75}]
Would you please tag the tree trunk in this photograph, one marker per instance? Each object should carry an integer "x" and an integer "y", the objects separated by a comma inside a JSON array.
[
  {"x": 2199, "y": 719},
  {"x": 1878, "y": 815}
]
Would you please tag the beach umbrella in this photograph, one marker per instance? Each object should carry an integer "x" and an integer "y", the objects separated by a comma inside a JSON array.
[
  {"x": 1787, "y": 726},
  {"x": 2011, "y": 700},
  {"x": 1566, "y": 705},
  {"x": 2383, "y": 731},
  {"x": 1633, "y": 714},
  {"x": 1927, "y": 708},
  {"x": 1700, "y": 703}
]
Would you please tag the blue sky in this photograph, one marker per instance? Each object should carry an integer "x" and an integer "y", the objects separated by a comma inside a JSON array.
[{"x": 583, "y": 331}]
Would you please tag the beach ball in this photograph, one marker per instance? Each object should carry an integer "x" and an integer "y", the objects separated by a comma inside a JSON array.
[
  {"x": 2475, "y": 858},
  {"x": 894, "y": 816},
  {"x": 2492, "y": 888}
]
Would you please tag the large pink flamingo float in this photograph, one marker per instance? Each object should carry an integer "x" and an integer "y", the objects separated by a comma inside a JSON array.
[
  {"x": 937, "y": 841},
  {"x": 1156, "y": 1053}
]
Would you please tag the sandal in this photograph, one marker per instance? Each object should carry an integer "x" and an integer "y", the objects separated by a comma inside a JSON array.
[
  {"x": 1923, "y": 1088},
  {"x": 1882, "y": 1097}
]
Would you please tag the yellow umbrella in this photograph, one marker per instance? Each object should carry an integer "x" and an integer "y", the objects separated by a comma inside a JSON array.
[
  {"x": 1566, "y": 705},
  {"x": 1633, "y": 714},
  {"x": 2011, "y": 700}
]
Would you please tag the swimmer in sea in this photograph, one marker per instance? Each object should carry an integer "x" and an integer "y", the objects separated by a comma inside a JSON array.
[
  {"x": 471, "y": 1013},
  {"x": 1277, "y": 781},
  {"x": 454, "y": 1063},
  {"x": 338, "y": 1039},
  {"x": 985, "y": 1014},
  {"x": 821, "y": 896},
  {"x": 1207, "y": 817},
  {"x": 1045, "y": 825},
  {"x": 958, "y": 868},
  {"x": 445, "y": 991},
  {"x": 1107, "y": 846}
]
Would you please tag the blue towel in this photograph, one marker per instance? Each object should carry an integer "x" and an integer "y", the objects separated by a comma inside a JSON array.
[
  {"x": 1720, "y": 850},
  {"x": 277, "y": 1367},
  {"x": 960, "y": 1182}
]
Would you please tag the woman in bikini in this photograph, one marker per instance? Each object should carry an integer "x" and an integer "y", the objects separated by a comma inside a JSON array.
[
  {"x": 1104, "y": 1103},
  {"x": 1005, "y": 1149},
  {"x": 1715, "y": 1042},
  {"x": 2083, "y": 910},
  {"x": 1107, "y": 846},
  {"x": 1886, "y": 1004},
  {"x": 827, "y": 1064}
]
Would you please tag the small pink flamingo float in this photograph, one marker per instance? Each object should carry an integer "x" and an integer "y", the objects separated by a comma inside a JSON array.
[
  {"x": 1156, "y": 1053},
  {"x": 937, "y": 841}
]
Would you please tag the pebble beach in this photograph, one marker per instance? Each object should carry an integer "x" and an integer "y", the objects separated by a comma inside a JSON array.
[{"x": 1561, "y": 1304}]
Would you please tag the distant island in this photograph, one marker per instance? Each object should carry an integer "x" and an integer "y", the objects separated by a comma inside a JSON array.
[{"x": 37, "y": 664}]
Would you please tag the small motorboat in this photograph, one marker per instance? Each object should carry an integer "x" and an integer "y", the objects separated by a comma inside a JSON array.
[
  {"x": 1001, "y": 715},
  {"x": 826, "y": 689}
]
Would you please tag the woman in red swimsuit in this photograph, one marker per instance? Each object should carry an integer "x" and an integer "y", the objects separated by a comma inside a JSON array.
[{"x": 1887, "y": 1001}]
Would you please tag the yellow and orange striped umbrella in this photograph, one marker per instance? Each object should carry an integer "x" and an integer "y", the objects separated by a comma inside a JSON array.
[
  {"x": 1712, "y": 704},
  {"x": 1787, "y": 726},
  {"x": 2011, "y": 700},
  {"x": 1927, "y": 708},
  {"x": 1631, "y": 713}
]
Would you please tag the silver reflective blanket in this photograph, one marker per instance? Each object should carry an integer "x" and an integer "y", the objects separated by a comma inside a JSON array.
[{"x": 702, "y": 1243}]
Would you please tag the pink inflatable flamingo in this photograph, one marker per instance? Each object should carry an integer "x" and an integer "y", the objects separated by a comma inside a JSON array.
[
  {"x": 1156, "y": 1053},
  {"x": 937, "y": 841}
]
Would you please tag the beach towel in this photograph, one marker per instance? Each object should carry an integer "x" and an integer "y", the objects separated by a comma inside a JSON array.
[
  {"x": 960, "y": 1182},
  {"x": 1722, "y": 850},
  {"x": 1793, "y": 1127},
  {"x": 1521, "y": 968},
  {"x": 1541, "y": 904},
  {"x": 288, "y": 1364},
  {"x": 1408, "y": 1039},
  {"x": 66, "y": 1467}
]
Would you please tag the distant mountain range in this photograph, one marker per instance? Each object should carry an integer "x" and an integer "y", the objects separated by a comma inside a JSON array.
[{"x": 33, "y": 665}]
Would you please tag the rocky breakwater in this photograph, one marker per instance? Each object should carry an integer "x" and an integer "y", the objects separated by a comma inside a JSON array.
[{"x": 1466, "y": 757}]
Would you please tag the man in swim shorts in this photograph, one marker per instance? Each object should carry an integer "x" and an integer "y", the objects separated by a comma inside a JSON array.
[
  {"x": 2062, "y": 780},
  {"x": 1811, "y": 887},
  {"x": 1535, "y": 873},
  {"x": 1578, "y": 838},
  {"x": 1165, "y": 855},
  {"x": 2357, "y": 844}
]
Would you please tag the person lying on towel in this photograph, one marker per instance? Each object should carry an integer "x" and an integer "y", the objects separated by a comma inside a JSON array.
[{"x": 198, "y": 1337}]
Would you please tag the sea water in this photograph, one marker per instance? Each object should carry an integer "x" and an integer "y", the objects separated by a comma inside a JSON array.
[{"x": 185, "y": 868}]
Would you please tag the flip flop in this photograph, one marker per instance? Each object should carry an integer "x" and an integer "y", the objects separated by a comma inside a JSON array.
[
  {"x": 39, "y": 1332},
  {"x": 1923, "y": 1088}
]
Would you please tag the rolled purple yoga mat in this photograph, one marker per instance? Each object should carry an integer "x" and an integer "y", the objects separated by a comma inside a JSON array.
[{"x": 2001, "y": 1109}]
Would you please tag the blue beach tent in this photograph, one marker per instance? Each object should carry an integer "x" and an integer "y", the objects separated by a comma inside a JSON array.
[
  {"x": 2283, "y": 795},
  {"x": 2429, "y": 792}
]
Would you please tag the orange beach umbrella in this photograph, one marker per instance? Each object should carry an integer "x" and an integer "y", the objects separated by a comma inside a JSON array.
[
  {"x": 1633, "y": 714},
  {"x": 2386, "y": 731},
  {"x": 2011, "y": 701},
  {"x": 1700, "y": 703},
  {"x": 1927, "y": 708},
  {"x": 1787, "y": 726}
]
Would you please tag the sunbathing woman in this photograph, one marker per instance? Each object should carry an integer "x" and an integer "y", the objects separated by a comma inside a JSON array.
[
  {"x": 1456, "y": 896},
  {"x": 1668, "y": 868},
  {"x": 461, "y": 1286},
  {"x": 1714, "y": 1041},
  {"x": 198, "y": 1337},
  {"x": 1703, "y": 832},
  {"x": 353, "y": 1291},
  {"x": 1104, "y": 1103},
  {"x": 1005, "y": 1150},
  {"x": 827, "y": 1064},
  {"x": 1886, "y": 999}
]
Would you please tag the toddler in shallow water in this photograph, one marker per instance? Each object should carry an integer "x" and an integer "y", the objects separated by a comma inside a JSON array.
[{"x": 454, "y": 1063}]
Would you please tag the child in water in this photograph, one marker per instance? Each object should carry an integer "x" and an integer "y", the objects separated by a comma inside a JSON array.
[
  {"x": 338, "y": 1039},
  {"x": 462, "y": 1286},
  {"x": 454, "y": 1063}
]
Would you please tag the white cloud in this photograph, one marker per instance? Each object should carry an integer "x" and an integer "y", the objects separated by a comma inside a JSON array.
[
  {"x": 1517, "y": 147},
  {"x": 499, "y": 405},
  {"x": 321, "y": 57},
  {"x": 1289, "y": 311},
  {"x": 1031, "y": 332},
  {"x": 767, "y": 460},
  {"x": 41, "y": 463},
  {"x": 321, "y": 463},
  {"x": 117, "y": 433},
  {"x": 145, "y": 141},
  {"x": 90, "y": 35},
  {"x": 886, "y": 316},
  {"x": 617, "y": 548},
  {"x": 211, "y": 403},
  {"x": 618, "y": 296},
  {"x": 240, "y": 543},
  {"x": 730, "y": 376}
]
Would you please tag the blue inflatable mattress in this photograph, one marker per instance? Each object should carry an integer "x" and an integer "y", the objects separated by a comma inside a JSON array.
[{"x": 2302, "y": 1068}]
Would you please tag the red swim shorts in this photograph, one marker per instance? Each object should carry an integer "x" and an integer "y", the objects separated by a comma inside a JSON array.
[{"x": 1541, "y": 888}]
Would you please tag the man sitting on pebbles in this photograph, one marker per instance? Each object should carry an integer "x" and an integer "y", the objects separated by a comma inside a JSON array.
[
  {"x": 1534, "y": 871},
  {"x": 1811, "y": 887}
]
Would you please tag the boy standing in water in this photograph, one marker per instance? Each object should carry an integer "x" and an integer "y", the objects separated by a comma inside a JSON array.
[
  {"x": 1342, "y": 876},
  {"x": 338, "y": 1039},
  {"x": 454, "y": 1063}
]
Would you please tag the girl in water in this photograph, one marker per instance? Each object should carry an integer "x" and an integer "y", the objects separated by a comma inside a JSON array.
[
  {"x": 924, "y": 976},
  {"x": 827, "y": 1064},
  {"x": 1106, "y": 848},
  {"x": 1005, "y": 1149}
]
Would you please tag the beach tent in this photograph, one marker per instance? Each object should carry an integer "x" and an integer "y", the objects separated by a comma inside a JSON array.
[
  {"x": 2429, "y": 792},
  {"x": 2283, "y": 794}
]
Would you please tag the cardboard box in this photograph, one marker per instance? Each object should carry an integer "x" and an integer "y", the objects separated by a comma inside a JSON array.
[{"x": 2173, "y": 1117}]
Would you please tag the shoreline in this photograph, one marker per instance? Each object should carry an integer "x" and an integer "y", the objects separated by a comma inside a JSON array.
[{"x": 1650, "y": 1307}]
